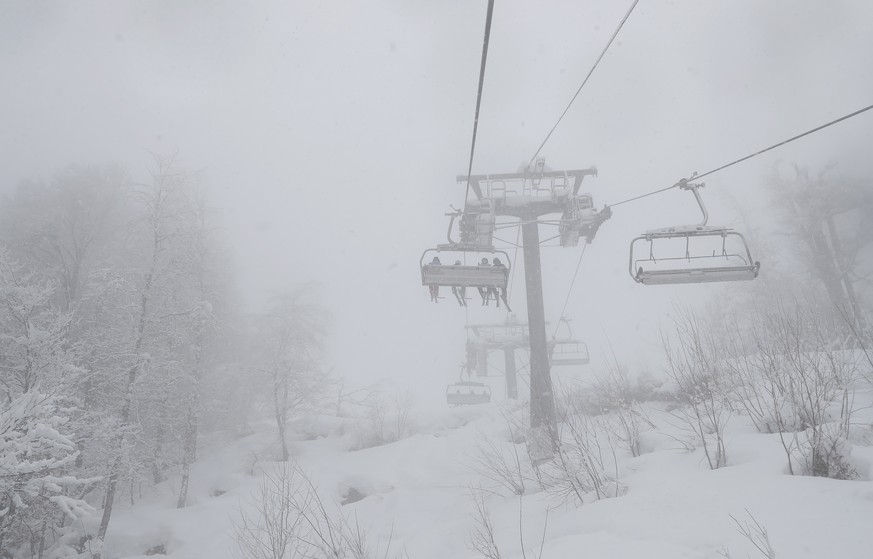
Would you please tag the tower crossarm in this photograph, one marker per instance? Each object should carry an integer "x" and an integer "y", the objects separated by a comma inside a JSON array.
[{"x": 527, "y": 194}]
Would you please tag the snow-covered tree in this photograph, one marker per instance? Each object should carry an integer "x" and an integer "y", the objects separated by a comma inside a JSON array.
[
  {"x": 35, "y": 456},
  {"x": 60, "y": 228},
  {"x": 32, "y": 332},
  {"x": 287, "y": 349},
  {"x": 828, "y": 218},
  {"x": 116, "y": 299}
]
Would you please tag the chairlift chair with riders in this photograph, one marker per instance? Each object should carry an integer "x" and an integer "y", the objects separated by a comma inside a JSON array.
[
  {"x": 730, "y": 258},
  {"x": 435, "y": 272},
  {"x": 468, "y": 393},
  {"x": 469, "y": 264}
]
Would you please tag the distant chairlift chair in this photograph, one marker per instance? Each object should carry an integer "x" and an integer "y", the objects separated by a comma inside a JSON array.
[
  {"x": 569, "y": 352},
  {"x": 735, "y": 264},
  {"x": 468, "y": 393}
]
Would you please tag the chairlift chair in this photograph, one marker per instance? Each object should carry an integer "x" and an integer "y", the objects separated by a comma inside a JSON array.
[
  {"x": 458, "y": 273},
  {"x": 730, "y": 260},
  {"x": 476, "y": 359},
  {"x": 477, "y": 275},
  {"x": 476, "y": 224},
  {"x": 578, "y": 219},
  {"x": 569, "y": 352},
  {"x": 468, "y": 393},
  {"x": 476, "y": 229}
]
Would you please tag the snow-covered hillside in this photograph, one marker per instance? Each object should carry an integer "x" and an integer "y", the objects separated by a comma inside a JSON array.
[{"x": 416, "y": 495}]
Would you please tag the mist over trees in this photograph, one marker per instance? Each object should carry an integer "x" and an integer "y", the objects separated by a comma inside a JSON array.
[
  {"x": 826, "y": 217},
  {"x": 122, "y": 344}
]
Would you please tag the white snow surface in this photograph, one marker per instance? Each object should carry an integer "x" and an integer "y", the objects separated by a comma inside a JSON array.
[{"x": 418, "y": 495}]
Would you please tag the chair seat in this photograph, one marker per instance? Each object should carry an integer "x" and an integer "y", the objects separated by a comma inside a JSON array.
[{"x": 696, "y": 275}]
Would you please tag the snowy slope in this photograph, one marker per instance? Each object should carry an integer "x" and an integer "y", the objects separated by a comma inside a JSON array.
[{"x": 418, "y": 493}]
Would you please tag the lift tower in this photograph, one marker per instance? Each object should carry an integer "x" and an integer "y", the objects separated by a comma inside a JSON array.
[
  {"x": 528, "y": 196},
  {"x": 509, "y": 336}
]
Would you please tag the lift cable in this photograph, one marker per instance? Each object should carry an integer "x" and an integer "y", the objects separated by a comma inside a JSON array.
[
  {"x": 740, "y": 160},
  {"x": 466, "y": 322},
  {"x": 479, "y": 94},
  {"x": 514, "y": 259},
  {"x": 520, "y": 371},
  {"x": 507, "y": 242},
  {"x": 585, "y": 81},
  {"x": 699, "y": 176},
  {"x": 569, "y": 291}
]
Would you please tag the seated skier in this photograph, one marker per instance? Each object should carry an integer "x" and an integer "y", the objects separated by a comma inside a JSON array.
[
  {"x": 460, "y": 292},
  {"x": 435, "y": 289},
  {"x": 483, "y": 291}
]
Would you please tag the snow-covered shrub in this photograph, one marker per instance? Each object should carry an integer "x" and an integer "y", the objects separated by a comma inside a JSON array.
[
  {"x": 792, "y": 380},
  {"x": 384, "y": 419},
  {"x": 825, "y": 452},
  {"x": 584, "y": 466},
  {"x": 615, "y": 390},
  {"x": 35, "y": 455},
  {"x": 700, "y": 384},
  {"x": 504, "y": 464},
  {"x": 483, "y": 537},
  {"x": 290, "y": 519},
  {"x": 503, "y": 458},
  {"x": 615, "y": 394},
  {"x": 756, "y": 534}
]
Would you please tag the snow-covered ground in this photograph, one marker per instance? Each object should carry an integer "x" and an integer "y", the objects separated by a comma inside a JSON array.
[{"x": 418, "y": 496}]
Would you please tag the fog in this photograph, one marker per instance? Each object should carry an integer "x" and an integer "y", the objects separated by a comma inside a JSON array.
[{"x": 328, "y": 136}]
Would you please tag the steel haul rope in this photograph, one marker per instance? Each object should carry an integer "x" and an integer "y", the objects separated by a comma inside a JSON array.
[
  {"x": 751, "y": 155},
  {"x": 479, "y": 94},
  {"x": 569, "y": 291},
  {"x": 585, "y": 81}
]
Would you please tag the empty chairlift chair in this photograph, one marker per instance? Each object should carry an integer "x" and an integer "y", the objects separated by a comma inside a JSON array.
[
  {"x": 568, "y": 352},
  {"x": 468, "y": 393},
  {"x": 704, "y": 253},
  {"x": 580, "y": 219},
  {"x": 476, "y": 225}
]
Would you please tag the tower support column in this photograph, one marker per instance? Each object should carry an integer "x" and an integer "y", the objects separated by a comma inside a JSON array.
[
  {"x": 509, "y": 367},
  {"x": 542, "y": 402}
]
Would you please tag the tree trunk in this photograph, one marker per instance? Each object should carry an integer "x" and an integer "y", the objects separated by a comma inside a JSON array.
[
  {"x": 857, "y": 317},
  {"x": 108, "y": 501},
  {"x": 280, "y": 405},
  {"x": 112, "y": 481},
  {"x": 192, "y": 423},
  {"x": 188, "y": 455},
  {"x": 825, "y": 262},
  {"x": 157, "y": 474}
]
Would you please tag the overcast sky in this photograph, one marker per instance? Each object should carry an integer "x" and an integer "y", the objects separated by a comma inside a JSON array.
[{"x": 331, "y": 132}]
